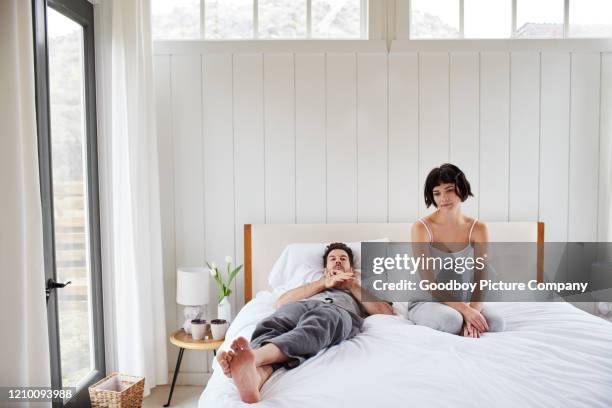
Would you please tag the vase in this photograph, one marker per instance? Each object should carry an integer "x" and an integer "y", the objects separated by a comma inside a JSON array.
[{"x": 224, "y": 309}]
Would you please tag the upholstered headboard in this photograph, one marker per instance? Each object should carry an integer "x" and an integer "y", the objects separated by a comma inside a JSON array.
[{"x": 263, "y": 243}]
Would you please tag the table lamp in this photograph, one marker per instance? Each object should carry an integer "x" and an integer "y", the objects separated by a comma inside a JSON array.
[{"x": 191, "y": 292}]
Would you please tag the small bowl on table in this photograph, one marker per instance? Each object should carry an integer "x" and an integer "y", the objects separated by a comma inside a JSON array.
[
  {"x": 199, "y": 329},
  {"x": 218, "y": 327}
]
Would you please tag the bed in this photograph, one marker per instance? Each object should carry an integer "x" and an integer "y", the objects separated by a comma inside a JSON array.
[{"x": 551, "y": 354}]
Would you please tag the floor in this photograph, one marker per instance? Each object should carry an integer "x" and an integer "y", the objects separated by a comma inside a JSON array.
[{"x": 185, "y": 396}]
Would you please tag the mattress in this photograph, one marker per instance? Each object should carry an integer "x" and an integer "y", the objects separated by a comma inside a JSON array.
[{"x": 551, "y": 355}]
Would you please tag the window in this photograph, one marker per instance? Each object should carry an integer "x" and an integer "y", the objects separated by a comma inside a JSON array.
[
  {"x": 441, "y": 19},
  {"x": 286, "y": 19},
  {"x": 435, "y": 19},
  {"x": 539, "y": 19},
  {"x": 590, "y": 18},
  {"x": 225, "y": 19},
  {"x": 339, "y": 19},
  {"x": 66, "y": 127},
  {"x": 258, "y": 19},
  {"x": 176, "y": 19},
  {"x": 66, "y": 90},
  {"x": 488, "y": 18}
]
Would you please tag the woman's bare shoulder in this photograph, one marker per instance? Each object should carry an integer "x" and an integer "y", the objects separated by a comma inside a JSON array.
[
  {"x": 417, "y": 226},
  {"x": 480, "y": 232},
  {"x": 418, "y": 230}
]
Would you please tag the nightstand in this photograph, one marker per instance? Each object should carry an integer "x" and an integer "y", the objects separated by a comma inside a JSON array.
[{"x": 184, "y": 341}]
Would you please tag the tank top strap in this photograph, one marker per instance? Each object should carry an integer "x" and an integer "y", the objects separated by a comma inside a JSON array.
[
  {"x": 471, "y": 229},
  {"x": 428, "y": 230}
]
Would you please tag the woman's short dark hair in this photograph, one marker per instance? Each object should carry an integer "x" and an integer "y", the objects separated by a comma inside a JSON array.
[
  {"x": 446, "y": 173},
  {"x": 338, "y": 245}
]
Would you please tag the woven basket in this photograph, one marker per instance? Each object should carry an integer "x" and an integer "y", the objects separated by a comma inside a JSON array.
[{"x": 117, "y": 391}]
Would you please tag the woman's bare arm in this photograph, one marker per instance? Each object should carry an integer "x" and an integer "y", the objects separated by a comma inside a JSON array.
[{"x": 480, "y": 238}]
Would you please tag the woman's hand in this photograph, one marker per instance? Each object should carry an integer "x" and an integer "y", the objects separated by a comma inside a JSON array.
[
  {"x": 474, "y": 318},
  {"x": 470, "y": 331}
]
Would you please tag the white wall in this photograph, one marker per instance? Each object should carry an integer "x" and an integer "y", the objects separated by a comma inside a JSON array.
[{"x": 315, "y": 132}]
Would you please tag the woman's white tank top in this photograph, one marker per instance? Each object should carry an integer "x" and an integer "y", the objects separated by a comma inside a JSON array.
[{"x": 444, "y": 275}]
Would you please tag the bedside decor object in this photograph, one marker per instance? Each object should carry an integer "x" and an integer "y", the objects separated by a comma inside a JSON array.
[
  {"x": 116, "y": 391},
  {"x": 191, "y": 292},
  {"x": 199, "y": 329},
  {"x": 224, "y": 310},
  {"x": 218, "y": 327}
]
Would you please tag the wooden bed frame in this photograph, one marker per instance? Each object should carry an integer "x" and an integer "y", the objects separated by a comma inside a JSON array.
[{"x": 248, "y": 251}]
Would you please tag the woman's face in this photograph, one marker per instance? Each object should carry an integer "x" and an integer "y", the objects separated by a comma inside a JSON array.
[{"x": 445, "y": 196}]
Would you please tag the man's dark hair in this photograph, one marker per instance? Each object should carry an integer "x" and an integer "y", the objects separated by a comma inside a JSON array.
[
  {"x": 338, "y": 245},
  {"x": 446, "y": 173}
]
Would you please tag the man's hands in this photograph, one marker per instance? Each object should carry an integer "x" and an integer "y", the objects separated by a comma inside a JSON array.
[
  {"x": 338, "y": 274},
  {"x": 474, "y": 323},
  {"x": 339, "y": 279}
]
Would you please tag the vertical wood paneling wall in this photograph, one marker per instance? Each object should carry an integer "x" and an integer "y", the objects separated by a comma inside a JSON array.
[{"x": 315, "y": 136}]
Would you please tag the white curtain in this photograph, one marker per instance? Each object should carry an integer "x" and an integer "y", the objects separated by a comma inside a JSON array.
[
  {"x": 130, "y": 206},
  {"x": 24, "y": 343},
  {"x": 606, "y": 148}
]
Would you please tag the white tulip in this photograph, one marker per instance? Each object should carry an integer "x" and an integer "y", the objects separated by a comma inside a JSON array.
[
  {"x": 214, "y": 265},
  {"x": 228, "y": 259},
  {"x": 213, "y": 272}
]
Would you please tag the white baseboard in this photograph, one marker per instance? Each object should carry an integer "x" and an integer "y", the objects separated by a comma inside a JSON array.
[{"x": 194, "y": 378}]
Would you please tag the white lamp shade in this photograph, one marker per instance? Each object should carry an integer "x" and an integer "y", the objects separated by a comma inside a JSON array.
[{"x": 192, "y": 286}]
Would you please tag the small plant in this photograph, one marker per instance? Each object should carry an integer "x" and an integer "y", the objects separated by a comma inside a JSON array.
[{"x": 222, "y": 284}]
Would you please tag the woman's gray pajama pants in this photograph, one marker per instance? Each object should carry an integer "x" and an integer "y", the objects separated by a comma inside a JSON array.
[{"x": 444, "y": 318}]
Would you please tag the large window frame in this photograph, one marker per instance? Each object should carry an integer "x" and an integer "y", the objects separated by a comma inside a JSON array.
[
  {"x": 363, "y": 24},
  {"x": 81, "y": 11},
  {"x": 388, "y": 20},
  {"x": 566, "y": 22}
]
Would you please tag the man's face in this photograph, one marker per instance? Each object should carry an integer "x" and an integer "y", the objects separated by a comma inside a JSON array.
[{"x": 337, "y": 261}]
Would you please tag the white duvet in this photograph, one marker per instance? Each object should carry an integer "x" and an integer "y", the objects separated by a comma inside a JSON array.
[{"x": 551, "y": 355}]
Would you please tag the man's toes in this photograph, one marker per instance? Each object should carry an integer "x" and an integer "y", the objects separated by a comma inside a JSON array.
[
  {"x": 221, "y": 357},
  {"x": 242, "y": 343},
  {"x": 223, "y": 363}
]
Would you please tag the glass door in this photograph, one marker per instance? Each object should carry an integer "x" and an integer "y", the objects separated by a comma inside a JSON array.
[{"x": 65, "y": 86}]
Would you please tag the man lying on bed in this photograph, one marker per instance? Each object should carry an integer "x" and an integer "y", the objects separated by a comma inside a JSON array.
[{"x": 307, "y": 320}]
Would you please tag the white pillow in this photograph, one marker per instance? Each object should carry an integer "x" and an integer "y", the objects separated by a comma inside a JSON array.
[
  {"x": 303, "y": 262},
  {"x": 302, "y": 275}
]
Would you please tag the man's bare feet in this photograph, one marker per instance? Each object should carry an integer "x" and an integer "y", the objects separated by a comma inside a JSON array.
[
  {"x": 224, "y": 358},
  {"x": 243, "y": 371}
]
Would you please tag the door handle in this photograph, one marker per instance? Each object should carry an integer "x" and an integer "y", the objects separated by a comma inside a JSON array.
[{"x": 52, "y": 284}]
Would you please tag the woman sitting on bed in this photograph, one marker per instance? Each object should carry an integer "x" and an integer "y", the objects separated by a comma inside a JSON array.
[{"x": 449, "y": 233}]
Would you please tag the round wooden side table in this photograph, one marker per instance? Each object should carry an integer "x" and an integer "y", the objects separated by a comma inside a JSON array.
[{"x": 184, "y": 341}]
